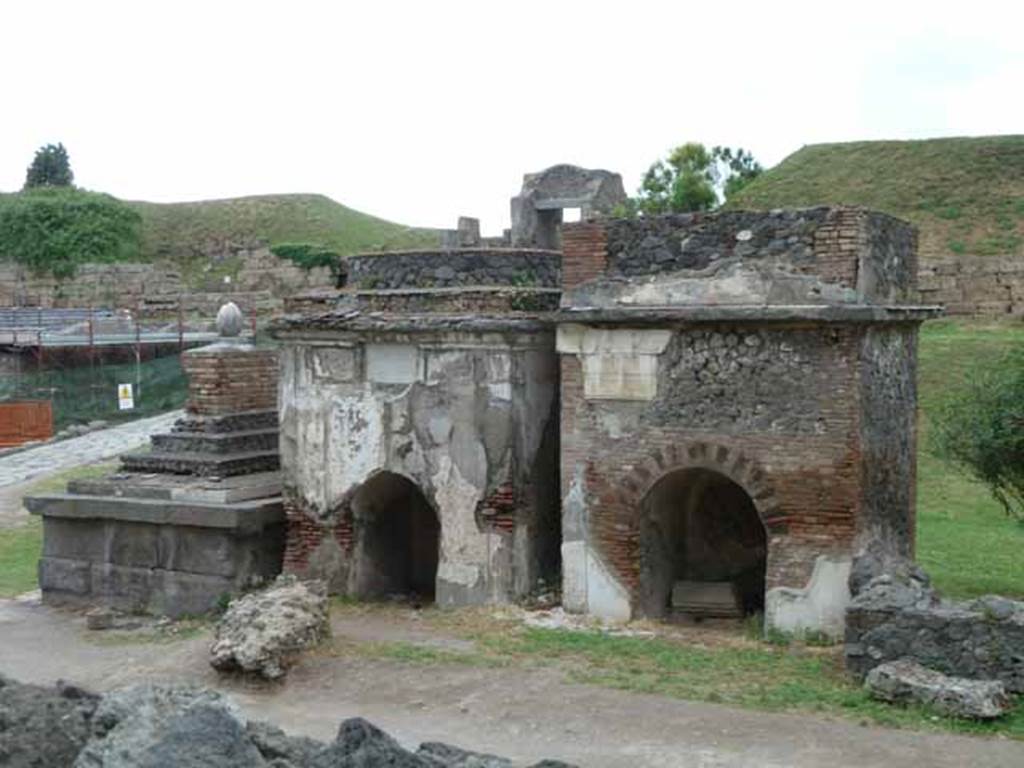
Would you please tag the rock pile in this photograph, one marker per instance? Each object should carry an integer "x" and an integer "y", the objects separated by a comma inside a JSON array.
[
  {"x": 959, "y": 657},
  {"x": 263, "y": 632},
  {"x": 905, "y": 681},
  {"x": 151, "y": 726}
]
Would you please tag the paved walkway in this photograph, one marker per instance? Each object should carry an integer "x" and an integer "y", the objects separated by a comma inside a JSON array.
[{"x": 95, "y": 446}]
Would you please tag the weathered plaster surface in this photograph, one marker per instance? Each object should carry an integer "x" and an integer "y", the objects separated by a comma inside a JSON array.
[
  {"x": 461, "y": 415},
  {"x": 618, "y": 364},
  {"x": 818, "y": 607}
]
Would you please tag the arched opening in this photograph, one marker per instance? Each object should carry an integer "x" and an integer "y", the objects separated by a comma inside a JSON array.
[
  {"x": 398, "y": 540},
  {"x": 703, "y": 548}
]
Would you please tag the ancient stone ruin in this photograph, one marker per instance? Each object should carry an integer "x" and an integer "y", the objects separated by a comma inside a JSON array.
[
  {"x": 699, "y": 415},
  {"x": 538, "y": 208},
  {"x": 674, "y": 417},
  {"x": 738, "y": 398},
  {"x": 419, "y": 428},
  {"x": 195, "y": 519}
]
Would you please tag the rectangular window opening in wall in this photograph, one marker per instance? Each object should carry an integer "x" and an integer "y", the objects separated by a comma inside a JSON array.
[{"x": 572, "y": 215}]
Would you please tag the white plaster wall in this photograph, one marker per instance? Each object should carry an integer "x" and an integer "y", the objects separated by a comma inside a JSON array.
[
  {"x": 819, "y": 607},
  {"x": 589, "y": 587}
]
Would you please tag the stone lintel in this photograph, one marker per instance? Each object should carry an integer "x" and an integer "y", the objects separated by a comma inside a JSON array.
[{"x": 241, "y": 517}]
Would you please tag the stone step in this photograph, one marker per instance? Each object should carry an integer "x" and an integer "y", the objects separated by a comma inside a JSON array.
[
  {"x": 202, "y": 464},
  {"x": 226, "y": 423},
  {"x": 216, "y": 443}
]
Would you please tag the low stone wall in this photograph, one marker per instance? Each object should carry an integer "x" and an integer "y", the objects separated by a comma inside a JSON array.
[
  {"x": 974, "y": 285},
  {"x": 982, "y": 639},
  {"x": 455, "y": 268},
  {"x": 257, "y": 280}
]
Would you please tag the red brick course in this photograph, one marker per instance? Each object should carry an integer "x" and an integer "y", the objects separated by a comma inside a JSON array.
[{"x": 230, "y": 381}]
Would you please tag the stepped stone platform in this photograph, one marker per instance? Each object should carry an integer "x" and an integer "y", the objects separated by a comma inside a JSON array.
[{"x": 193, "y": 520}]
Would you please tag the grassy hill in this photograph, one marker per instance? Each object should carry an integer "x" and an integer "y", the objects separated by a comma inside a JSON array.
[
  {"x": 181, "y": 230},
  {"x": 965, "y": 194}
]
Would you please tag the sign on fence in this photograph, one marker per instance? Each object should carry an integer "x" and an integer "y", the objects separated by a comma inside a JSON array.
[{"x": 125, "y": 401}]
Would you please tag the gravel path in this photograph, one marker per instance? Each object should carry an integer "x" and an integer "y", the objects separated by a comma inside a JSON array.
[
  {"x": 525, "y": 713},
  {"x": 87, "y": 449}
]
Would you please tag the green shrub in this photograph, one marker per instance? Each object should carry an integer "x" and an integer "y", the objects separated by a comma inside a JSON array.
[
  {"x": 53, "y": 229},
  {"x": 308, "y": 256},
  {"x": 981, "y": 428}
]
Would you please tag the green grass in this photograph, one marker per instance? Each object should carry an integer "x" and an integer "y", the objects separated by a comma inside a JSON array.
[
  {"x": 964, "y": 539},
  {"x": 21, "y": 545},
  {"x": 730, "y": 670},
  {"x": 176, "y": 230},
  {"x": 19, "y": 555},
  {"x": 758, "y": 677},
  {"x": 964, "y": 193}
]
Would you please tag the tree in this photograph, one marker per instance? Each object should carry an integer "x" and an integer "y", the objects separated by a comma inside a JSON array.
[
  {"x": 981, "y": 428},
  {"x": 692, "y": 178},
  {"x": 50, "y": 168},
  {"x": 737, "y": 168}
]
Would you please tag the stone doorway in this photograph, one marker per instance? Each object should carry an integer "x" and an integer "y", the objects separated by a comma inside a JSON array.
[
  {"x": 703, "y": 548},
  {"x": 397, "y": 540}
]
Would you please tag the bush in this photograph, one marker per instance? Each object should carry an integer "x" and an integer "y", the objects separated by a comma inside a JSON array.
[
  {"x": 981, "y": 428},
  {"x": 56, "y": 229},
  {"x": 308, "y": 255}
]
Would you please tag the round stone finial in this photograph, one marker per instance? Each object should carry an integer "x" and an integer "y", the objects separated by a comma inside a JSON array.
[{"x": 229, "y": 320}]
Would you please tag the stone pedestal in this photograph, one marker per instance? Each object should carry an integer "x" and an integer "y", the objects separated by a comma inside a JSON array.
[{"x": 193, "y": 520}]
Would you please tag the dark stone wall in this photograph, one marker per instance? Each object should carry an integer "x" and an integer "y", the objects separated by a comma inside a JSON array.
[
  {"x": 455, "y": 268},
  {"x": 888, "y": 427},
  {"x": 696, "y": 241},
  {"x": 892, "y": 246},
  {"x": 871, "y": 253},
  {"x": 753, "y": 379}
]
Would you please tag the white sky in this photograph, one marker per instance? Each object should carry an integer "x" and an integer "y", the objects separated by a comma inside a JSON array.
[{"x": 422, "y": 111}]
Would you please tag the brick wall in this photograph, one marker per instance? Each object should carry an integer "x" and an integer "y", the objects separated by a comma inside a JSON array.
[
  {"x": 837, "y": 245},
  {"x": 806, "y": 484},
  {"x": 584, "y": 252},
  {"x": 305, "y": 534},
  {"x": 230, "y": 380}
]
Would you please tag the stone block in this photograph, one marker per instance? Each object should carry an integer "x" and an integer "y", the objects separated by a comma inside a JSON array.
[
  {"x": 190, "y": 594},
  {"x": 392, "y": 363},
  {"x": 133, "y": 544},
  {"x": 335, "y": 364},
  {"x": 74, "y": 539},
  {"x": 65, "y": 577}
]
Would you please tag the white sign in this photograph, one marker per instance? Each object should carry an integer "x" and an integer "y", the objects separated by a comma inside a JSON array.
[{"x": 125, "y": 401}]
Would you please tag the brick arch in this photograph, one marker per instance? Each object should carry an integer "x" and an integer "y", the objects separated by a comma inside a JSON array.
[
  {"x": 729, "y": 462},
  {"x": 617, "y": 513}
]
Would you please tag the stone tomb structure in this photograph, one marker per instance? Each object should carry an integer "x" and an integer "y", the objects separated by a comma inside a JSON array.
[
  {"x": 198, "y": 517},
  {"x": 419, "y": 428},
  {"x": 737, "y": 411},
  {"x": 700, "y": 415}
]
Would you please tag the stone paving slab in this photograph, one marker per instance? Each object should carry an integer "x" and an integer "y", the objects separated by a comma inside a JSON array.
[{"x": 87, "y": 449}]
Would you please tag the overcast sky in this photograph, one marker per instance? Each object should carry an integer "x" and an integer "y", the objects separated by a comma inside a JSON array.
[{"x": 421, "y": 111}]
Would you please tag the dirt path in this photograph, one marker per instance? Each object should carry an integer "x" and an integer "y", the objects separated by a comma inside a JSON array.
[{"x": 526, "y": 714}]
